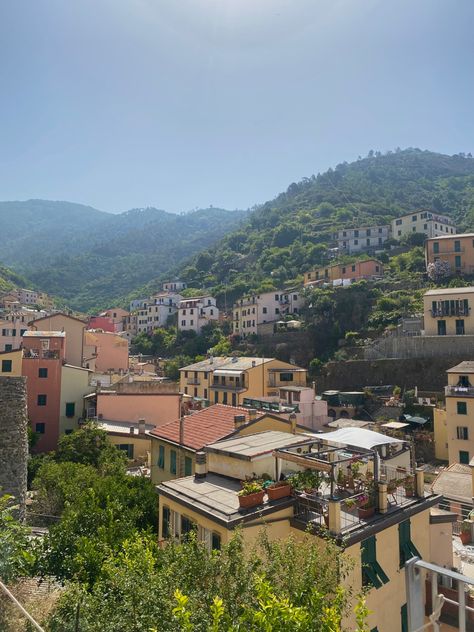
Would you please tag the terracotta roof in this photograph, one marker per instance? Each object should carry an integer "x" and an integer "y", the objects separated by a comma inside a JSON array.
[{"x": 202, "y": 427}]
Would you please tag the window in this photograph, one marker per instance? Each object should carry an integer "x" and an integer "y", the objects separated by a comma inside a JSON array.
[
  {"x": 462, "y": 433},
  {"x": 441, "y": 328},
  {"x": 216, "y": 397},
  {"x": 161, "y": 457},
  {"x": 464, "y": 457},
  {"x": 8, "y": 347},
  {"x": 356, "y": 242},
  {"x": 224, "y": 397},
  {"x": 398, "y": 222},
  {"x": 191, "y": 322},
  {"x": 368, "y": 232},
  {"x": 457, "y": 246},
  {"x": 68, "y": 431},
  {"x": 295, "y": 297},
  {"x": 343, "y": 270},
  {"x": 127, "y": 448},
  {"x": 413, "y": 218},
  {"x": 183, "y": 323},
  {"x": 460, "y": 328},
  {"x": 406, "y": 547},
  {"x": 42, "y": 372},
  {"x": 216, "y": 541},
  {"x": 353, "y": 269},
  {"x": 372, "y": 573},
  {"x": 399, "y": 233},
  {"x": 41, "y": 400},
  {"x": 165, "y": 526},
  {"x": 286, "y": 377},
  {"x": 188, "y": 466},
  {"x": 457, "y": 261},
  {"x": 205, "y": 393},
  {"x": 187, "y": 525},
  {"x": 185, "y": 390},
  {"x": 413, "y": 229},
  {"x": 70, "y": 409},
  {"x": 368, "y": 242},
  {"x": 461, "y": 408},
  {"x": 276, "y": 297},
  {"x": 6, "y": 366},
  {"x": 234, "y": 399},
  {"x": 40, "y": 428},
  {"x": 173, "y": 461},
  {"x": 425, "y": 226}
]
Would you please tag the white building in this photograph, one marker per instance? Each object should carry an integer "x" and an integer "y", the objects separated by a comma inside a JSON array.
[
  {"x": 194, "y": 313},
  {"x": 174, "y": 286},
  {"x": 257, "y": 309},
  {"x": 13, "y": 325},
  {"x": 351, "y": 240},
  {"x": 28, "y": 297},
  {"x": 426, "y": 222},
  {"x": 160, "y": 308}
]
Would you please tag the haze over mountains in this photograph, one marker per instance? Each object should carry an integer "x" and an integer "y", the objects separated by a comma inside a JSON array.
[{"x": 93, "y": 259}]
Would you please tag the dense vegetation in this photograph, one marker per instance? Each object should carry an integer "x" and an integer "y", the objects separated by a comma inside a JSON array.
[
  {"x": 103, "y": 549},
  {"x": 10, "y": 280},
  {"x": 92, "y": 259},
  {"x": 290, "y": 234}
]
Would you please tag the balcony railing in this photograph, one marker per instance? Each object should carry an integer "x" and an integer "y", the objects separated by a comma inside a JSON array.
[
  {"x": 228, "y": 387},
  {"x": 193, "y": 381},
  {"x": 444, "y": 312},
  {"x": 43, "y": 354},
  {"x": 459, "y": 391}
]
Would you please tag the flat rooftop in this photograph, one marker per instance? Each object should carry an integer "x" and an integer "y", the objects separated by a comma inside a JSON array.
[
  {"x": 44, "y": 334},
  {"x": 450, "y": 290},
  {"x": 456, "y": 236},
  {"x": 252, "y": 446}
]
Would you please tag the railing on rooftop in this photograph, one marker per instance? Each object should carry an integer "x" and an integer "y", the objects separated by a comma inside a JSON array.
[
  {"x": 43, "y": 354},
  {"x": 459, "y": 391}
]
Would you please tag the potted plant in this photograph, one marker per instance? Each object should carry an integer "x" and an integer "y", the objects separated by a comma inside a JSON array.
[
  {"x": 251, "y": 494},
  {"x": 279, "y": 489},
  {"x": 409, "y": 485},
  {"x": 350, "y": 504},
  {"x": 465, "y": 534},
  {"x": 366, "y": 504}
]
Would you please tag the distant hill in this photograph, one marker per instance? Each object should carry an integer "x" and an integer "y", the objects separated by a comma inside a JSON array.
[
  {"x": 92, "y": 259},
  {"x": 288, "y": 235},
  {"x": 10, "y": 280}
]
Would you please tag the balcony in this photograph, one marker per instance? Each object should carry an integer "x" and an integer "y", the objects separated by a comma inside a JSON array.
[
  {"x": 232, "y": 387},
  {"x": 443, "y": 312},
  {"x": 193, "y": 381},
  {"x": 41, "y": 354},
  {"x": 459, "y": 391}
]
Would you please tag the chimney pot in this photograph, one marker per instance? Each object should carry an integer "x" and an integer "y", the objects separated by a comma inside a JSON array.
[
  {"x": 200, "y": 465},
  {"x": 141, "y": 426},
  {"x": 239, "y": 421},
  {"x": 252, "y": 414}
]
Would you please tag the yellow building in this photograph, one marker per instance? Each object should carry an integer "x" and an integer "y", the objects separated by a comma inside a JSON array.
[
  {"x": 131, "y": 438},
  {"x": 448, "y": 312},
  {"x": 457, "y": 250},
  {"x": 402, "y": 526},
  {"x": 227, "y": 380},
  {"x": 440, "y": 427},
  {"x": 74, "y": 386},
  {"x": 74, "y": 329},
  {"x": 425, "y": 222},
  {"x": 174, "y": 445},
  {"x": 10, "y": 363},
  {"x": 365, "y": 269},
  {"x": 460, "y": 413}
]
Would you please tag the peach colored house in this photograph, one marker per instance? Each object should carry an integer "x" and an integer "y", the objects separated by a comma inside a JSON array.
[
  {"x": 105, "y": 351},
  {"x": 73, "y": 328},
  {"x": 354, "y": 271},
  {"x": 154, "y": 408}
]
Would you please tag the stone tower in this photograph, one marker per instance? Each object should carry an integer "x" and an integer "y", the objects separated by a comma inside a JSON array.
[{"x": 13, "y": 439}]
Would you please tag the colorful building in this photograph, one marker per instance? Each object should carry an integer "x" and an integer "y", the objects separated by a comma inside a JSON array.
[
  {"x": 403, "y": 523},
  {"x": 10, "y": 363},
  {"x": 448, "y": 312},
  {"x": 455, "y": 250},
  {"x": 348, "y": 272},
  {"x": 74, "y": 329},
  {"x": 459, "y": 430},
  {"x": 227, "y": 380},
  {"x": 366, "y": 238},
  {"x": 105, "y": 352}
]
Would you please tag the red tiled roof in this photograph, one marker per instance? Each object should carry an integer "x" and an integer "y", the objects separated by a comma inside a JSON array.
[{"x": 202, "y": 427}]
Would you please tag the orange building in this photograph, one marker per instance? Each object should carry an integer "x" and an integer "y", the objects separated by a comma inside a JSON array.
[
  {"x": 366, "y": 269},
  {"x": 457, "y": 250}
]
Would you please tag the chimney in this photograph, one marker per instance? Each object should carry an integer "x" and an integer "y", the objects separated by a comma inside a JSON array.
[
  {"x": 293, "y": 423},
  {"x": 132, "y": 430},
  {"x": 141, "y": 426},
  {"x": 200, "y": 465},
  {"x": 253, "y": 363},
  {"x": 239, "y": 421},
  {"x": 252, "y": 414}
]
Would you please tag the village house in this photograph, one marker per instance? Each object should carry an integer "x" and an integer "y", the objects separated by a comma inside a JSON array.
[
  {"x": 426, "y": 222},
  {"x": 74, "y": 329},
  {"x": 352, "y": 240},
  {"x": 105, "y": 352},
  {"x": 457, "y": 251},
  {"x": 227, "y": 380},
  {"x": 254, "y": 310},
  {"x": 345, "y": 273},
  {"x": 13, "y": 323},
  {"x": 174, "y": 286},
  {"x": 10, "y": 363},
  {"x": 403, "y": 521},
  {"x": 447, "y": 312},
  {"x": 174, "y": 445},
  {"x": 55, "y": 388},
  {"x": 195, "y": 313}
]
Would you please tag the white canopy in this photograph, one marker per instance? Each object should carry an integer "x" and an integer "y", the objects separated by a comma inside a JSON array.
[
  {"x": 228, "y": 372},
  {"x": 359, "y": 438}
]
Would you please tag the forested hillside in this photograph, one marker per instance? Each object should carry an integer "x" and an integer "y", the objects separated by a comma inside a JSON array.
[
  {"x": 92, "y": 259},
  {"x": 291, "y": 233},
  {"x": 10, "y": 280}
]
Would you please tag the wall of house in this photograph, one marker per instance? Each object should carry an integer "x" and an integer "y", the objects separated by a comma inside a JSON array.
[
  {"x": 431, "y": 323},
  {"x": 15, "y": 357},
  {"x": 424, "y": 222},
  {"x": 141, "y": 444},
  {"x": 74, "y": 385},
  {"x": 156, "y": 409},
  {"x": 111, "y": 349},
  {"x": 440, "y": 434},
  {"x": 447, "y": 252},
  {"x": 455, "y": 420},
  {"x": 74, "y": 334},
  {"x": 441, "y": 544},
  {"x": 239, "y": 468},
  {"x": 158, "y": 474}
]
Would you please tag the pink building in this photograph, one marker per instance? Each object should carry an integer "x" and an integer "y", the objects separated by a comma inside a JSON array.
[
  {"x": 105, "y": 351},
  {"x": 102, "y": 322},
  {"x": 155, "y": 408}
]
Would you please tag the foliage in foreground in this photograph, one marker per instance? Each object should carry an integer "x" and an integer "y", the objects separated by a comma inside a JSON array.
[{"x": 280, "y": 586}]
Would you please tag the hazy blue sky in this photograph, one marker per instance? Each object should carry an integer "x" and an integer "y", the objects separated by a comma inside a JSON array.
[{"x": 184, "y": 103}]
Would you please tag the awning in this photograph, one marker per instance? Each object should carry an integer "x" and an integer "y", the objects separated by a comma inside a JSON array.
[
  {"x": 420, "y": 421},
  {"x": 359, "y": 438},
  {"x": 228, "y": 372},
  {"x": 395, "y": 425}
]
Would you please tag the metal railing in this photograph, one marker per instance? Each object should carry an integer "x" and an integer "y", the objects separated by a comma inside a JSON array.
[
  {"x": 448, "y": 594},
  {"x": 459, "y": 391},
  {"x": 44, "y": 354},
  {"x": 193, "y": 380}
]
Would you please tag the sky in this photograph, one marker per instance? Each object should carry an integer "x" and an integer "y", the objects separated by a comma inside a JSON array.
[{"x": 181, "y": 104}]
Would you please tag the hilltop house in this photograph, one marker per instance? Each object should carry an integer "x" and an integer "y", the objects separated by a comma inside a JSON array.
[
  {"x": 344, "y": 273},
  {"x": 352, "y": 240},
  {"x": 252, "y": 311},
  {"x": 195, "y": 313},
  {"x": 426, "y": 222},
  {"x": 457, "y": 251}
]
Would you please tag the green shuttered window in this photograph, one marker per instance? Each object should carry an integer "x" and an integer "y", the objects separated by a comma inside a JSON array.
[
  {"x": 372, "y": 573},
  {"x": 173, "y": 462},
  {"x": 407, "y": 548},
  {"x": 161, "y": 457}
]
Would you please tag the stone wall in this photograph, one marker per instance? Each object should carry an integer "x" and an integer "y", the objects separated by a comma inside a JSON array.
[
  {"x": 13, "y": 439},
  {"x": 420, "y": 347},
  {"x": 428, "y": 374}
]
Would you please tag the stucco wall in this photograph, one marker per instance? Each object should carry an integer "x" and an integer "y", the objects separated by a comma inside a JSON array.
[
  {"x": 153, "y": 408},
  {"x": 74, "y": 385}
]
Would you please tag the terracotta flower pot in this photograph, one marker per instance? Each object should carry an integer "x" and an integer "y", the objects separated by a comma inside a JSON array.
[
  {"x": 251, "y": 500},
  {"x": 278, "y": 490},
  {"x": 465, "y": 537},
  {"x": 409, "y": 493},
  {"x": 366, "y": 512}
]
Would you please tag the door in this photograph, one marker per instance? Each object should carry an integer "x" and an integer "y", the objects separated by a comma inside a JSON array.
[
  {"x": 460, "y": 328},
  {"x": 441, "y": 328}
]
